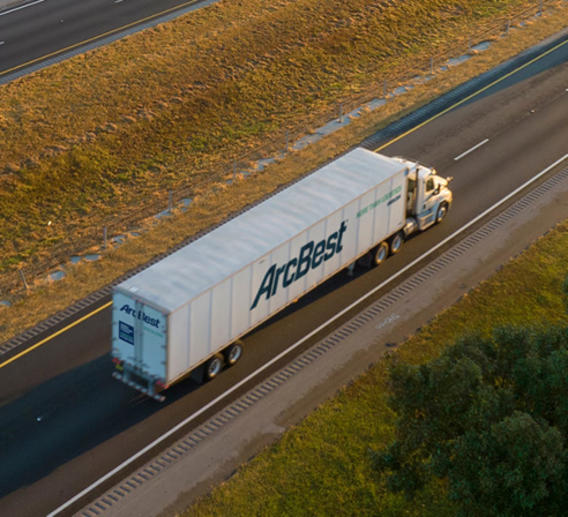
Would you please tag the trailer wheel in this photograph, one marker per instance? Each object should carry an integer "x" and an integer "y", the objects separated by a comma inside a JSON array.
[
  {"x": 213, "y": 367},
  {"x": 396, "y": 243},
  {"x": 441, "y": 213},
  {"x": 233, "y": 353},
  {"x": 381, "y": 253}
]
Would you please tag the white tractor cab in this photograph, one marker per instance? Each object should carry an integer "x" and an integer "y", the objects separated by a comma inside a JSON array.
[{"x": 428, "y": 197}]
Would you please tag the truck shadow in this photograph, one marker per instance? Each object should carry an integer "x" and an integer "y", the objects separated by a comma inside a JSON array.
[
  {"x": 77, "y": 411},
  {"x": 66, "y": 417}
]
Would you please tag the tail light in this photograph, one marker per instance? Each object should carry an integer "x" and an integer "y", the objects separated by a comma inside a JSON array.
[{"x": 159, "y": 385}]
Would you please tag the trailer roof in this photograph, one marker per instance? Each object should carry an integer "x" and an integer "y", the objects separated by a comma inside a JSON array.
[{"x": 188, "y": 272}]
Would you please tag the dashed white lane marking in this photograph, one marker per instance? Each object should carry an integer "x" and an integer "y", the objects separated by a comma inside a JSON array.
[
  {"x": 2, "y": 42},
  {"x": 21, "y": 7},
  {"x": 483, "y": 142}
]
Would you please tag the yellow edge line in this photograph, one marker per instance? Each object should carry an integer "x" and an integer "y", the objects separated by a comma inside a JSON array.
[
  {"x": 94, "y": 38},
  {"x": 55, "y": 334},
  {"x": 469, "y": 97},
  {"x": 108, "y": 304}
]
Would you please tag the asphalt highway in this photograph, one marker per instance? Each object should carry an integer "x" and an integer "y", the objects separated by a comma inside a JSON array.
[
  {"x": 34, "y": 30},
  {"x": 65, "y": 422}
]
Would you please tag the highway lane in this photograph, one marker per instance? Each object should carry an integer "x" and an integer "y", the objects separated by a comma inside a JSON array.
[
  {"x": 48, "y": 27},
  {"x": 525, "y": 133},
  {"x": 74, "y": 427}
]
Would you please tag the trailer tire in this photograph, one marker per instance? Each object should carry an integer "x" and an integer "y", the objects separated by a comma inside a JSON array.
[
  {"x": 212, "y": 368},
  {"x": 441, "y": 213},
  {"x": 381, "y": 253},
  {"x": 396, "y": 243},
  {"x": 233, "y": 353}
]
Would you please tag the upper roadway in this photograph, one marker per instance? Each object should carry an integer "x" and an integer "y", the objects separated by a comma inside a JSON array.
[
  {"x": 34, "y": 32},
  {"x": 65, "y": 422}
]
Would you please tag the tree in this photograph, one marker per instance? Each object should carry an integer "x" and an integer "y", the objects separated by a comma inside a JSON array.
[
  {"x": 565, "y": 291},
  {"x": 490, "y": 415}
]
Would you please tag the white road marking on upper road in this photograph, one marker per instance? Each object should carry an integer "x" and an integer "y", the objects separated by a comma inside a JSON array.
[
  {"x": 117, "y": 1},
  {"x": 471, "y": 149},
  {"x": 2, "y": 42},
  {"x": 22, "y": 7},
  {"x": 282, "y": 354}
]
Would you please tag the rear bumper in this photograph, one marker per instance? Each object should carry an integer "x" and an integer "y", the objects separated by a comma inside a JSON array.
[{"x": 147, "y": 388}]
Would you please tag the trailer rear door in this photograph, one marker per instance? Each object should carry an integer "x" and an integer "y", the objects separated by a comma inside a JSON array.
[{"x": 139, "y": 336}]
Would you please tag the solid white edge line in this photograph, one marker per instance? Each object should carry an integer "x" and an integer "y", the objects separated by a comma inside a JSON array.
[
  {"x": 301, "y": 341},
  {"x": 471, "y": 149},
  {"x": 21, "y": 7}
]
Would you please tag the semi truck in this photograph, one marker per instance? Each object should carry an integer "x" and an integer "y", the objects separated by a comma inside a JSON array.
[{"x": 188, "y": 312}]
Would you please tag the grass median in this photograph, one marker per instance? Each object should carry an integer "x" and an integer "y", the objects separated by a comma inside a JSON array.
[
  {"x": 100, "y": 138},
  {"x": 323, "y": 465}
]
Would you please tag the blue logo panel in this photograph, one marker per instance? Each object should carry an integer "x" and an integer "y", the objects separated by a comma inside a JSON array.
[{"x": 126, "y": 332}]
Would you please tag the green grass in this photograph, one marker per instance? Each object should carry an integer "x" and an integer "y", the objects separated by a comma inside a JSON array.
[{"x": 322, "y": 466}]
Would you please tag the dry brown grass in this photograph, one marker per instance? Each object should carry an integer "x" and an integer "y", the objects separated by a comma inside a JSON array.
[
  {"x": 89, "y": 141},
  {"x": 210, "y": 208}
]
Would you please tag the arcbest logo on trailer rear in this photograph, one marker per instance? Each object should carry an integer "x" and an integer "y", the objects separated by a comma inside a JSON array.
[{"x": 140, "y": 314}]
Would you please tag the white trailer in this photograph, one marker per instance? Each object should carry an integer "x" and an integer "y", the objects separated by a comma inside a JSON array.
[{"x": 191, "y": 308}]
